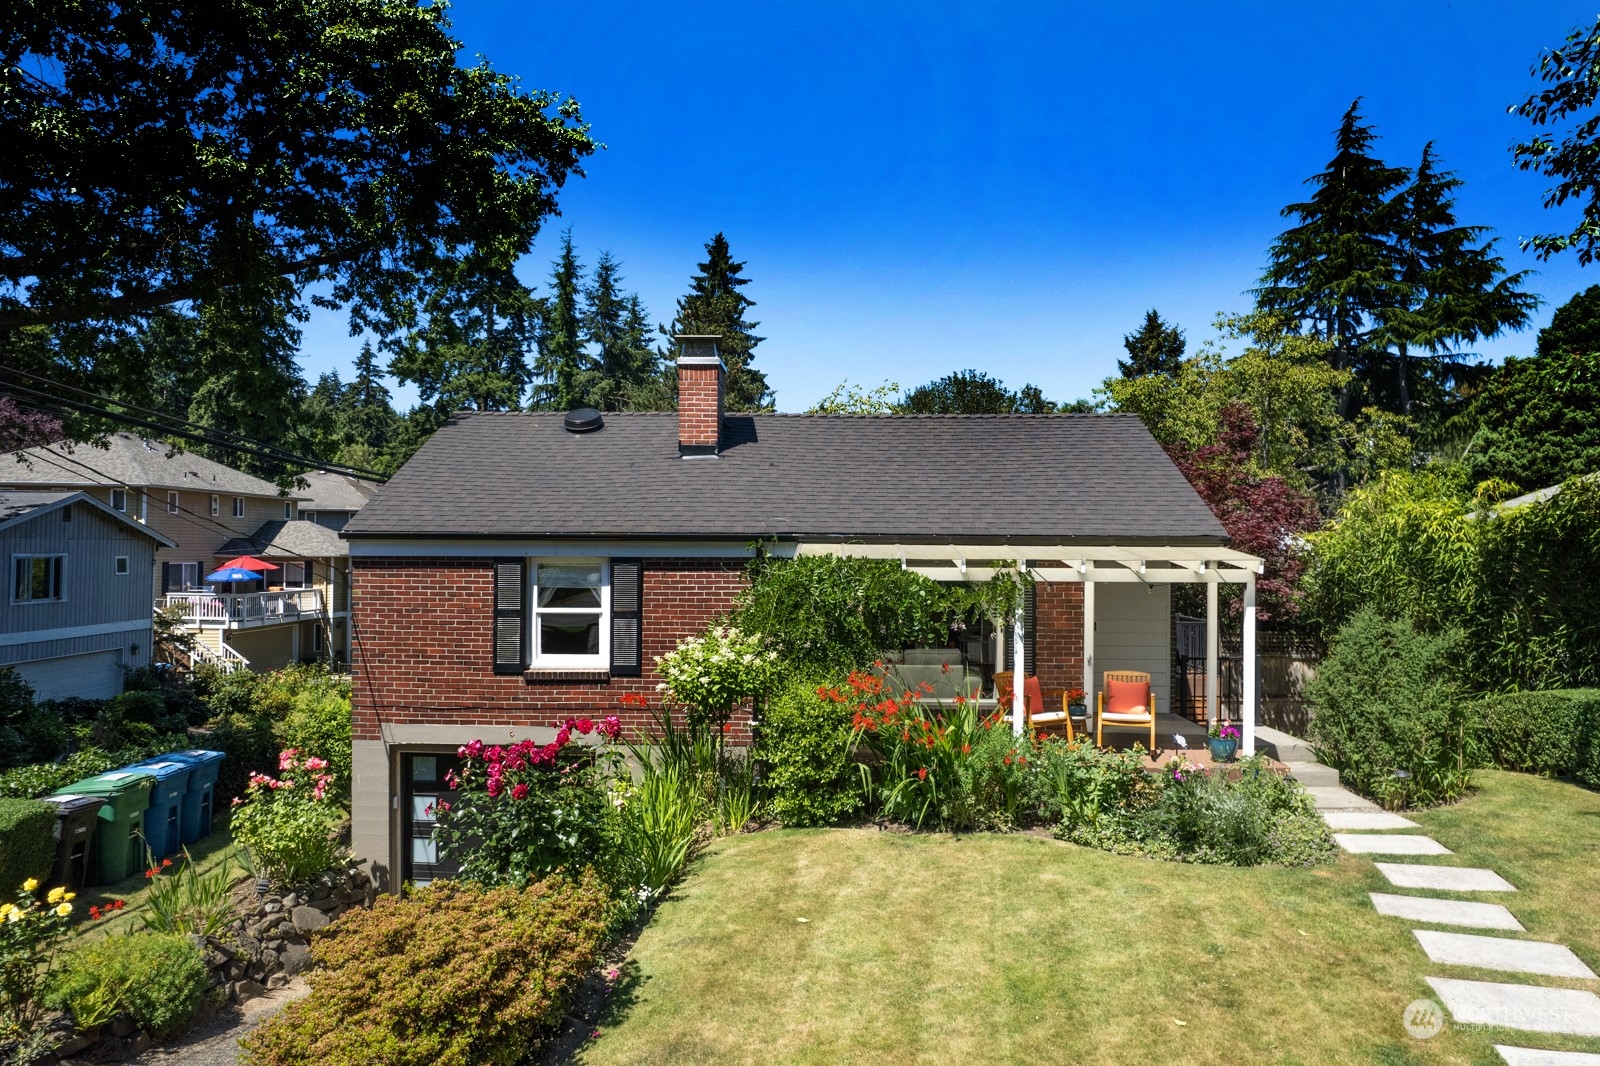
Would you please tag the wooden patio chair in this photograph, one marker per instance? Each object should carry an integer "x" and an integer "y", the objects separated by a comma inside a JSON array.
[
  {"x": 1033, "y": 715},
  {"x": 1126, "y": 709}
]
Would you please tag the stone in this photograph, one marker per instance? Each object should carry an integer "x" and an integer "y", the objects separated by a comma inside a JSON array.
[
  {"x": 1390, "y": 844},
  {"x": 246, "y": 990},
  {"x": 1446, "y": 911},
  {"x": 296, "y": 958},
  {"x": 1527, "y": 1056},
  {"x": 272, "y": 908},
  {"x": 265, "y": 926},
  {"x": 122, "y": 1025},
  {"x": 326, "y": 903},
  {"x": 236, "y": 971},
  {"x": 1529, "y": 1007},
  {"x": 77, "y": 1042},
  {"x": 277, "y": 981},
  {"x": 1366, "y": 820},
  {"x": 1502, "y": 953},
  {"x": 1444, "y": 878},
  {"x": 308, "y": 920},
  {"x": 141, "y": 1044}
]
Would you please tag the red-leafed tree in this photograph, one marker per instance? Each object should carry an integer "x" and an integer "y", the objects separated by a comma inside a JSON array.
[
  {"x": 20, "y": 429},
  {"x": 1263, "y": 515}
]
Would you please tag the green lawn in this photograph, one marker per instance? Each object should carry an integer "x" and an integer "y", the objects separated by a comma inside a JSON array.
[
  {"x": 208, "y": 854},
  {"x": 1021, "y": 949}
]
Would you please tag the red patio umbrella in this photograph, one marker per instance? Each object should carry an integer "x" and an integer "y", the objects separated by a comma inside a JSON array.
[{"x": 247, "y": 562}]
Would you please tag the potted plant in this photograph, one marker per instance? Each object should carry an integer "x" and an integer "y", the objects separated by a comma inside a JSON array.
[
  {"x": 1223, "y": 740},
  {"x": 1075, "y": 701}
]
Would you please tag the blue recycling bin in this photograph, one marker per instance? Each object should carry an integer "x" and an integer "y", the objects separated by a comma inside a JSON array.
[
  {"x": 163, "y": 832},
  {"x": 199, "y": 802}
]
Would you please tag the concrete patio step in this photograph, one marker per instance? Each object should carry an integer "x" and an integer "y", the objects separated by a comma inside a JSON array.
[
  {"x": 1313, "y": 774},
  {"x": 1367, "y": 821},
  {"x": 1338, "y": 798},
  {"x": 1283, "y": 747}
]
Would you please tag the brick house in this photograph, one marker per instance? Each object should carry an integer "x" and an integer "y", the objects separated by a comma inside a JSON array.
[{"x": 525, "y": 567}]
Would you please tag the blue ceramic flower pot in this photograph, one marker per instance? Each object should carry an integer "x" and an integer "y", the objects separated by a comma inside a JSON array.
[{"x": 1222, "y": 749}]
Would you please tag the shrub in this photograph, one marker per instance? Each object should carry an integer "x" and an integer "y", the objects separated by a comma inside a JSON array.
[
  {"x": 1555, "y": 733},
  {"x": 286, "y": 823},
  {"x": 318, "y": 722},
  {"x": 246, "y": 751},
  {"x": 527, "y": 810},
  {"x": 40, "y": 779},
  {"x": 187, "y": 900},
  {"x": 1388, "y": 713},
  {"x": 715, "y": 672},
  {"x": 27, "y": 842},
  {"x": 29, "y": 931},
  {"x": 454, "y": 975},
  {"x": 1248, "y": 820},
  {"x": 28, "y": 733},
  {"x": 158, "y": 979},
  {"x": 806, "y": 743},
  {"x": 1077, "y": 783}
]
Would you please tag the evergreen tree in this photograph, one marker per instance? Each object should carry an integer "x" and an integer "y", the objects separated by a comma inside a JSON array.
[
  {"x": 471, "y": 350},
  {"x": 566, "y": 374},
  {"x": 1154, "y": 348},
  {"x": 619, "y": 328},
  {"x": 1334, "y": 268},
  {"x": 714, "y": 304}
]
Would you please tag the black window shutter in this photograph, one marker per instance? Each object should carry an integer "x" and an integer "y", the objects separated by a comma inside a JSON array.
[
  {"x": 510, "y": 617},
  {"x": 166, "y": 577},
  {"x": 627, "y": 602},
  {"x": 1030, "y": 637}
]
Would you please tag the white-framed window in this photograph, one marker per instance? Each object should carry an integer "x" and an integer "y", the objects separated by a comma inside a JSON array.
[
  {"x": 288, "y": 510},
  {"x": 238, "y": 507},
  {"x": 216, "y": 505},
  {"x": 122, "y": 566},
  {"x": 119, "y": 500},
  {"x": 308, "y": 516},
  {"x": 316, "y": 639},
  {"x": 172, "y": 503},
  {"x": 296, "y": 573},
  {"x": 38, "y": 578},
  {"x": 571, "y": 624}
]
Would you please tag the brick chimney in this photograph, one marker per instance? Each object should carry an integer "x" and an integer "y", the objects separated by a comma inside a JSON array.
[{"x": 700, "y": 379}]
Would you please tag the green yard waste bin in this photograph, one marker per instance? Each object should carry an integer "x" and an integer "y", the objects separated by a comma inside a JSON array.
[
  {"x": 119, "y": 837},
  {"x": 76, "y": 818}
]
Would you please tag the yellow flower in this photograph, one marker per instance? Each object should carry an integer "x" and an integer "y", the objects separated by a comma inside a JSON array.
[
  {"x": 30, "y": 885},
  {"x": 64, "y": 910},
  {"x": 70, "y": 896},
  {"x": 14, "y": 915},
  {"x": 5, "y": 909},
  {"x": 56, "y": 894}
]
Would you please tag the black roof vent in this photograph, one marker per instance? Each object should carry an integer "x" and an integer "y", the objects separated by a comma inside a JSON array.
[{"x": 582, "y": 420}]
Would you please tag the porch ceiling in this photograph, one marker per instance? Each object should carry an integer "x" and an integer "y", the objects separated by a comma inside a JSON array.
[{"x": 1149, "y": 564}]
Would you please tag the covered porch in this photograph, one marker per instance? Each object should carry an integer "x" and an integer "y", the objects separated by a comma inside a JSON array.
[{"x": 1125, "y": 615}]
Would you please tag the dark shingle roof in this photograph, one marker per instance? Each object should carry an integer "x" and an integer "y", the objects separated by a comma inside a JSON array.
[
  {"x": 129, "y": 460},
  {"x": 295, "y": 539},
  {"x": 335, "y": 492},
  {"x": 16, "y": 505},
  {"x": 1099, "y": 478}
]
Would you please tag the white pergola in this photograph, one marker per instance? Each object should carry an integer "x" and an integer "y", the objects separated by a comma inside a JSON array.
[{"x": 1089, "y": 565}]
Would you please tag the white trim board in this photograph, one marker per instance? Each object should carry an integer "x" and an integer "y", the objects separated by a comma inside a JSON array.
[
  {"x": 519, "y": 549},
  {"x": 39, "y": 636}
]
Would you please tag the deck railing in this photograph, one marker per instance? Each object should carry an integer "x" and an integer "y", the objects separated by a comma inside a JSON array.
[{"x": 233, "y": 610}]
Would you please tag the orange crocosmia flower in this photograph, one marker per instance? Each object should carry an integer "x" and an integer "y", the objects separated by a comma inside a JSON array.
[
  {"x": 922, "y": 774},
  {"x": 966, "y": 749}
]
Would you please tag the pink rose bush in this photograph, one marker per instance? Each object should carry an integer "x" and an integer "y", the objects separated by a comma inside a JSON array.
[
  {"x": 285, "y": 823},
  {"x": 525, "y": 809}
]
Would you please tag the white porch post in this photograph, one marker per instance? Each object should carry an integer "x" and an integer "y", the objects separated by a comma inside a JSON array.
[
  {"x": 1088, "y": 646},
  {"x": 1018, "y": 663},
  {"x": 1248, "y": 668},
  {"x": 1212, "y": 649}
]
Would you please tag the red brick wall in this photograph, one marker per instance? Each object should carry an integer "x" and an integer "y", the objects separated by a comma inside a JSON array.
[
  {"x": 699, "y": 405},
  {"x": 1058, "y": 638},
  {"x": 423, "y": 649}
]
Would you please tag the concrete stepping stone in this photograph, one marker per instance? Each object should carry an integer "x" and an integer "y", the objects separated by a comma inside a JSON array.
[
  {"x": 1446, "y": 911},
  {"x": 1338, "y": 798},
  {"x": 1529, "y": 1007},
  {"x": 1444, "y": 878},
  {"x": 1390, "y": 844},
  {"x": 1501, "y": 953},
  {"x": 1366, "y": 820},
  {"x": 1528, "y": 1056}
]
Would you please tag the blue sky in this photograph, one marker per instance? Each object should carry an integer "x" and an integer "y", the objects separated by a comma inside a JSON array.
[{"x": 919, "y": 188}]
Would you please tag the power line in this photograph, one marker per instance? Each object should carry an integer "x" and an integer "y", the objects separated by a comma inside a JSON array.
[{"x": 201, "y": 434}]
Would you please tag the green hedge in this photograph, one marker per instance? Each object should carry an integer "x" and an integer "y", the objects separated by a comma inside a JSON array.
[
  {"x": 1555, "y": 733},
  {"x": 27, "y": 843}
]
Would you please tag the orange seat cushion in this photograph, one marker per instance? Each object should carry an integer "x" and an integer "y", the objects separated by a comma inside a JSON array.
[{"x": 1128, "y": 697}]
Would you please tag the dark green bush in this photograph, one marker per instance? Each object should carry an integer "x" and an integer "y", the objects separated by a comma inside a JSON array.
[
  {"x": 245, "y": 750},
  {"x": 1389, "y": 715},
  {"x": 454, "y": 975},
  {"x": 27, "y": 843},
  {"x": 159, "y": 979},
  {"x": 804, "y": 744},
  {"x": 1554, "y": 733},
  {"x": 1258, "y": 818},
  {"x": 28, "y": 733},
  {"x": 318, "y": 720}
]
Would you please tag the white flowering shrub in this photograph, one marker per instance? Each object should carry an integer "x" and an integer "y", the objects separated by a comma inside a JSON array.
[{"x": 713, "y": 673}]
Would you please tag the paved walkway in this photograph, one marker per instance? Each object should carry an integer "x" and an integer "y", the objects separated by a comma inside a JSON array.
[{"x": 1533, "y": 1008}]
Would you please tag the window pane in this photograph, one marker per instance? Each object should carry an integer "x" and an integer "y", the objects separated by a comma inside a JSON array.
[
  {"x": 41, "y": 579},
  {"x": 423, "y": 849},
  {"x": 569, "y": 634},
  {"x": 569, "y": 586}
]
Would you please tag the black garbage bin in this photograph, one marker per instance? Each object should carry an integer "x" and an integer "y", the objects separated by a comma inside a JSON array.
[{"x": 76, "y": 818}]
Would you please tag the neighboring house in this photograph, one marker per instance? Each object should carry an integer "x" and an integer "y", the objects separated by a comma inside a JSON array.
[
  {"x": 523, "y": 567},
  {"x": 333, "y": 499},
  {"x": 76, "y": 611},
  {"x": 204, "y": 511}
]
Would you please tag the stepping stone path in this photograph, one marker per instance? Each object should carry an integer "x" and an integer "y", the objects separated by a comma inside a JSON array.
[
  {"x": 1390, "y": 844},
  {"x": 1446, "y": 911},
  {"x": 1361, "y": 829},
  {"x": 1444, "y": 878},
  {"x": 1499, "y": 953},
  {"x": 1527, "y": 1056}
]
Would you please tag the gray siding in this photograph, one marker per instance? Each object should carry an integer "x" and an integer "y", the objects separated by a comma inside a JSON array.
[
  {"x": 1133, "y": 631},
  {"x": 95, "y": 593}
]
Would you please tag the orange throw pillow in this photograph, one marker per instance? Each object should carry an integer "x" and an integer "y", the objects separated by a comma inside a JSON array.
[{"x": 1128, "y": 697}]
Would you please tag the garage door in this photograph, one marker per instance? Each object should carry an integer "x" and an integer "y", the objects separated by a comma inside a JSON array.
[{"x": 94, "y": 676}]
